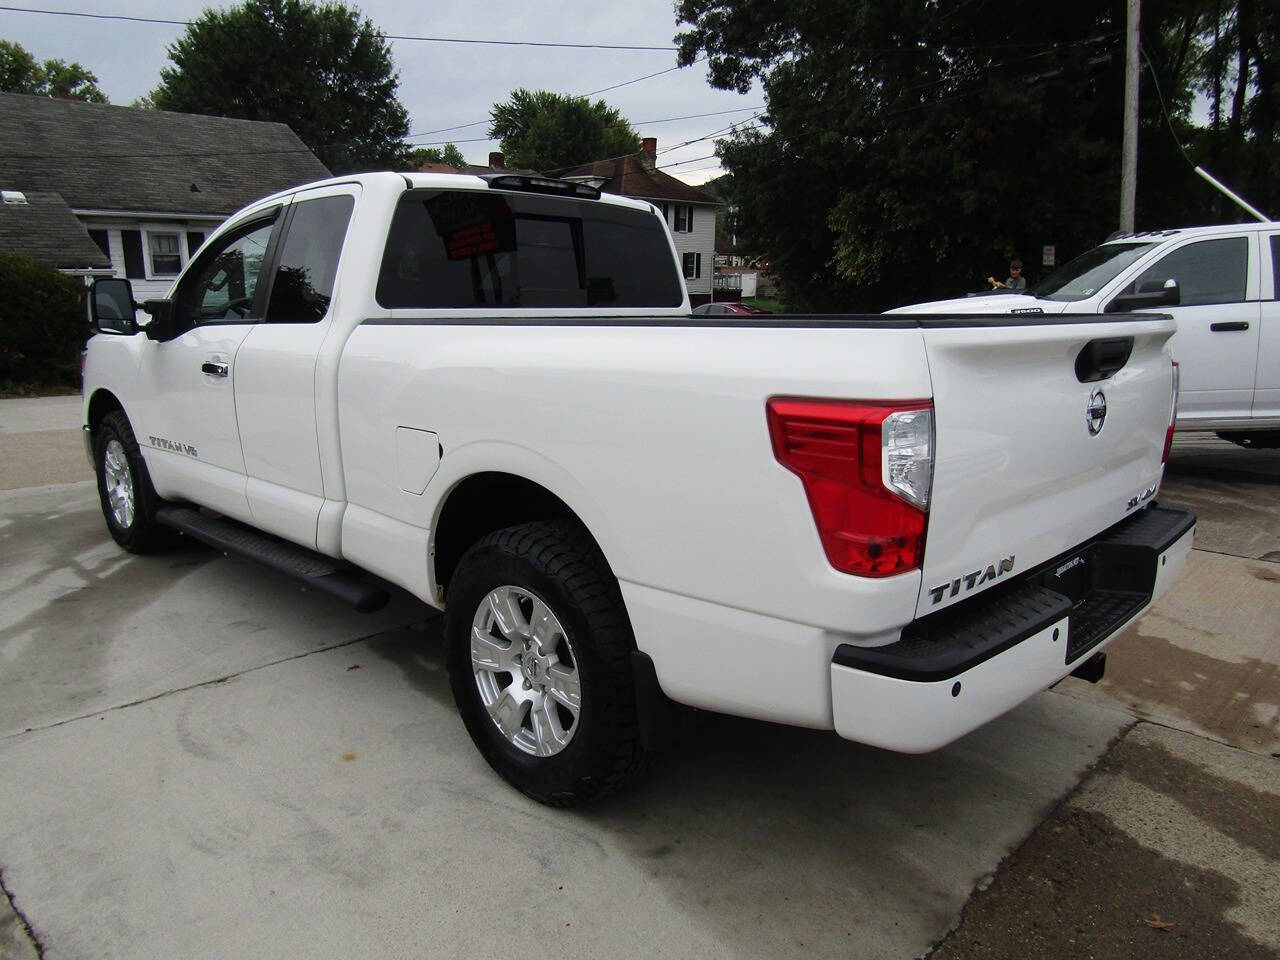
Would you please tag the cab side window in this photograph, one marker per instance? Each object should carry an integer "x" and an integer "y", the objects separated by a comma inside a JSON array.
[
  {"x": 303, "y": 284},
  {"x": 1208, "y": 271},
  {"x": 223, "y": 282}
]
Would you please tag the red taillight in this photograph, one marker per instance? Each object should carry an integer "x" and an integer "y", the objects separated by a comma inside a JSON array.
[
  {"x": 839, "y": 450},
  {"x": 1173, "y": 416}
]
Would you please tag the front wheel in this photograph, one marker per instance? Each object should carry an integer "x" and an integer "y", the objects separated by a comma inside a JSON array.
[
  {"x": 539, "y": 653},
  {"x": 128, "y": 500}
]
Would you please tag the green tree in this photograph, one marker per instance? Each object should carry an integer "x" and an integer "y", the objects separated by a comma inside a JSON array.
[
  {"x": 323, "y": 70},
  {"x": 1233, "y": 58},
  {"x": 910, "y": 148},
  {"x": 551, "y": 132},
  {"x": 448, "y": 154},
  {"x": 20, "y": 73}
]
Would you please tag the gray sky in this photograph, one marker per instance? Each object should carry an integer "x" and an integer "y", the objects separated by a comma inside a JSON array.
[{"x": 444, "y": 84}]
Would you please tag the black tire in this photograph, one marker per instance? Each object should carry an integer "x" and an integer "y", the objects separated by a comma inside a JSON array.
[
  {"x": 1253, "y": 439},
  {"x": 141, "y": 533},
  {"x": 565, "y": 570}
]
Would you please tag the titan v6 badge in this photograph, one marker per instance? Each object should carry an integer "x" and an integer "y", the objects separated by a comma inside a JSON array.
[
  {"x": 970, "y": 580},
  {"x": 184, "y": 448}
]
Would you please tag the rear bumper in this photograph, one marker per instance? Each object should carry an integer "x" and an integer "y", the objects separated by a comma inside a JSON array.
[{"x": 956, "y": 670}]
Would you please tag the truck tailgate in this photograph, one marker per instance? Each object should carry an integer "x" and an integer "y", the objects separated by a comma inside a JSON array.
[{"x": 1026, "y": 466}]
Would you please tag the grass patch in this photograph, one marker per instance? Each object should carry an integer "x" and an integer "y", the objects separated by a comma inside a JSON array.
[{"x": 772, "y": 304}]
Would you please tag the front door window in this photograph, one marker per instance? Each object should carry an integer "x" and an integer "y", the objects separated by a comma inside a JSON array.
[{"x": 223, "y": 284}]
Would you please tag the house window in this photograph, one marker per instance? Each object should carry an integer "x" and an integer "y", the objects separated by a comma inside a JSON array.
[
  {"x": 692, "y": 265},
  {"x": 684, "y": 218},
  {"x": 166, "y": 254}
]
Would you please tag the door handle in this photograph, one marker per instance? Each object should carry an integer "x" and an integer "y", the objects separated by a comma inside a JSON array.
[
  {"x": 215, "y": 369},
  {"x": 1229, "y": 326}
]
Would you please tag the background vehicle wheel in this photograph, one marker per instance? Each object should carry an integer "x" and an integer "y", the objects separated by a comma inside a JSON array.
[
  {"x": 1253, "y": 439},
  {"x": 539, "y": 653},
  {"x": 129, "y": 501}
]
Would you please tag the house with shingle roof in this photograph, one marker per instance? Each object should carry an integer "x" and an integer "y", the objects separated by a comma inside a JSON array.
[
  {"x": 94, "y": 189},
  {"x": 690, "y": 212}
]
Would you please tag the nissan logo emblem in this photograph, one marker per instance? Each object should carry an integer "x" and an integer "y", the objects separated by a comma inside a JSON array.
[{"x": 1096, "y": 412}]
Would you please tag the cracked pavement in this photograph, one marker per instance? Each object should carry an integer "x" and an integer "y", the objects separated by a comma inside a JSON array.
[{"x": 202, "y": 760}]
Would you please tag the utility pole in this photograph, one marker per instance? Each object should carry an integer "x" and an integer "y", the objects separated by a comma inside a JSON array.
[{"x": 1129, "y": 149}]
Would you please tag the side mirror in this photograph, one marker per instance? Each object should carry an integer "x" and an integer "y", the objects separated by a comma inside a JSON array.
[
  {"x": 1150, "y": 295},
  {"x": 111, "y": 307},
  {"x": 161, "y": 325}
]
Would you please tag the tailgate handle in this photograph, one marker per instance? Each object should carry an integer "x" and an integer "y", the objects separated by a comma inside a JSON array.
[
  {"x": 1100, "y": 359},
  {"x": 1229, "y": 326}
]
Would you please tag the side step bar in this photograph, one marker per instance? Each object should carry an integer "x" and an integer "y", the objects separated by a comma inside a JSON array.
[{"x": 315, "y": 570}]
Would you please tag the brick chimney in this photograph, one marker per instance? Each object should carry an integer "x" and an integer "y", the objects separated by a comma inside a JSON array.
[
  {"x": 649, "y": 152},
  {"x": 497, "y": 161}
]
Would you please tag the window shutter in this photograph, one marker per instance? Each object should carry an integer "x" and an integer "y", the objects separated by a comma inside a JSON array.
[
  {"x": 689, "y": 224},
  {"x": 194, "y": 239},
  {"x": 104, "y": 244},
  {"x": 134, "y": 268},
  {"x": 697, "y": 257}
]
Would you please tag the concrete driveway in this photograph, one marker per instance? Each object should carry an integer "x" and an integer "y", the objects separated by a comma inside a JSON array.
[{"x": 200, "y": 760}]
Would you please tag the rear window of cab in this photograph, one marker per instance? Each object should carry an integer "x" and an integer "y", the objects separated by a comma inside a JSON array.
[{"x": 486, "y": 248}]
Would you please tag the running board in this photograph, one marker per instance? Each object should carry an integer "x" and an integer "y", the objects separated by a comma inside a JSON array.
[{"x": 315, "y": 570}]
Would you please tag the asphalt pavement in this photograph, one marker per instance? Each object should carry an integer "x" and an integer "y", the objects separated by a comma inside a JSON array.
[{"x": 201, "y": 760}]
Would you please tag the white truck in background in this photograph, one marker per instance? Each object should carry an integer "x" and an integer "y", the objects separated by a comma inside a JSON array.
[
  {"x": 1222, "y": 286},
  {"x": 491, "y": 392}
]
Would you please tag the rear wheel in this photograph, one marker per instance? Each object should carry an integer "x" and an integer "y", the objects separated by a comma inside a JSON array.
[
  {"x": 128, "y": 500},
  {"x": 539, "y": 652},
  {"x": 1253, "y": 439}
]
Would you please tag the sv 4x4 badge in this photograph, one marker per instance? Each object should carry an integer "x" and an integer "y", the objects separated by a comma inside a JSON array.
[{"x": 970, "y": 580}]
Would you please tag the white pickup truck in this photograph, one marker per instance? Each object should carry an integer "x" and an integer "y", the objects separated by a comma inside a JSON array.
[
  {"x": 1222, "y": 286},
  {"x": 491, "y": 392}
]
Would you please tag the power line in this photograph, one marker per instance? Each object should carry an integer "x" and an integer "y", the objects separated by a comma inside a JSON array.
[
  {"x": 620, "y": 157},
  {"x": 680, "y": 163},
  {"x": 446, "y": 129},
  {"x": 388, "y": 36},
  {"x": 627, "y": 83},
  {"x": 714, "y": 166},
  {"x": 900, "y": 48},
  {"x": 1165, "y": 110},
  {"x": 637, "y": 123},
  {"x": 441, "y": 143},
  {"x": 698, "y": 116},
  {"x": 735, "y": 126},
  {"x": 741, "y": 124},
  {"x": 97, "y": 16},
  {"x": 749, "y": 123}
]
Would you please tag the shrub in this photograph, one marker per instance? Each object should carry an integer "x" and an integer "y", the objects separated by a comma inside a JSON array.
[{"x": 42, "y": 323}]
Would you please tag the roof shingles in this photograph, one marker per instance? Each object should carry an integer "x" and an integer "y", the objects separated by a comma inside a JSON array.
[
  {"x": 101, "y": 157},
  {"x": 45, "y": 229},
  {"x": 630, "y": 177}
]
